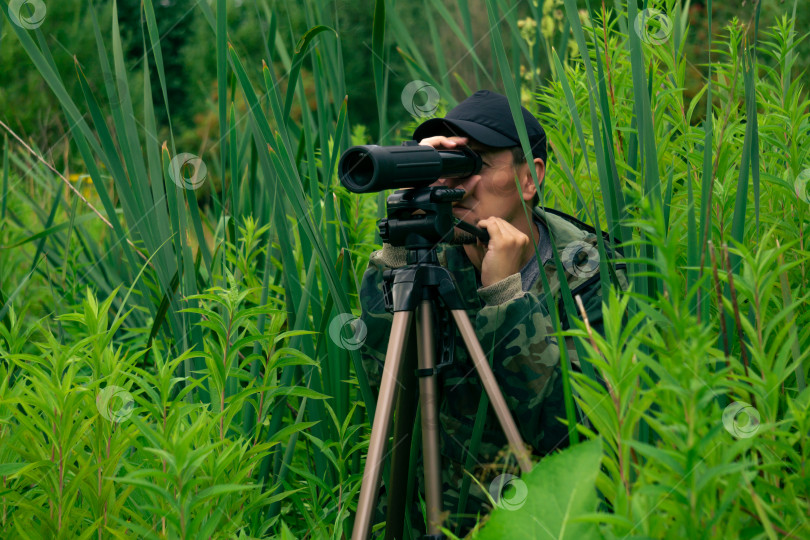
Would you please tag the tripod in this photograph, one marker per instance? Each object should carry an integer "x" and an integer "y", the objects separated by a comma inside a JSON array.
[{"x": 413, "y": 292}]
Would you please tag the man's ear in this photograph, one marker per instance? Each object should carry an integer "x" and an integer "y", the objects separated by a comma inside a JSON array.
[{"x": 527, "y": 183}]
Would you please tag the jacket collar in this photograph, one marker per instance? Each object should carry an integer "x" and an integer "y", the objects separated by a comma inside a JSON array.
[{"x": 565, "y": 228}]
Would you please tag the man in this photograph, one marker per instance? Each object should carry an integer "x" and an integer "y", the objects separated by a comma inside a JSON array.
[{"x": 504, "y": 292}]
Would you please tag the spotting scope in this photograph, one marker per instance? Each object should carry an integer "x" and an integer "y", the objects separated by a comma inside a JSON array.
[{"x": 370, "y": 168}]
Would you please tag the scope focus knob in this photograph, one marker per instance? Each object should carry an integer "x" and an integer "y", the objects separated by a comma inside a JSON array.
[{"x": 445, "y": 194}]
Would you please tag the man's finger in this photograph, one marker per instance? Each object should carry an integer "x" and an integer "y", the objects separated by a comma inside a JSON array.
[
  {"x": 493, "y": 224},
  {"x": 441, "y": 140},
  {"x": 499, "y": 229}
]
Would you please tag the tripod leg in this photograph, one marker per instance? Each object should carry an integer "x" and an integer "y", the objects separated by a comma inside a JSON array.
[
  {"x": 400, "y": 333},
  {"x": 429, "y": 401},
  {"x": 493, "y": 390},
  {"x": 398, "y": 502}
]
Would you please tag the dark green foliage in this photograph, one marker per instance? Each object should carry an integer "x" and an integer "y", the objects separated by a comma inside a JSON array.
[{"x": 175, "y": 20}]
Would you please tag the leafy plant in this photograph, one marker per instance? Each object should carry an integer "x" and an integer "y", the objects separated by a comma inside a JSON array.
[{"x": 210, "y": 399}]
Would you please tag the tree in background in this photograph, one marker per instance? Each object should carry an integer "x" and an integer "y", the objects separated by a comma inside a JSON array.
[{"x": 175, "y": 21}]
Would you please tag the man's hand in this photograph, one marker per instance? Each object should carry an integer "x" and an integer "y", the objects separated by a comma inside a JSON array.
[
  {"x": 440, "y": 141},
  {"x": 505, "y": 253}
]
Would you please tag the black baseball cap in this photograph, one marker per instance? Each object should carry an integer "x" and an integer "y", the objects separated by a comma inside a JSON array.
[{"x": 485, "y": 116}]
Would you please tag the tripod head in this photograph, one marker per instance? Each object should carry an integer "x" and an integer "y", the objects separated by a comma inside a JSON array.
[{"x": 420, "y": 218}]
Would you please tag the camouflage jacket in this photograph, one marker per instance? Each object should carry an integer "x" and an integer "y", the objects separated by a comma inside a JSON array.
[{"x": 514, "y": 329}]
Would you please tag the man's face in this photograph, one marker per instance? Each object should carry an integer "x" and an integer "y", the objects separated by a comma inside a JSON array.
[{"x": 491, "y": 192}]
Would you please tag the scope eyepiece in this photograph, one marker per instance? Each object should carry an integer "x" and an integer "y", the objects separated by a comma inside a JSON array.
[{"x": 370, "y": 168}]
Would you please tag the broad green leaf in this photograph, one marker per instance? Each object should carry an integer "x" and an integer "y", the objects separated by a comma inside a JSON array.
[{"x": 546, "y": 502}]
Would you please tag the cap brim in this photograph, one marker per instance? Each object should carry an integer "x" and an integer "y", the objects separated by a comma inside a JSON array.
[{"x": 461, "y": 128}]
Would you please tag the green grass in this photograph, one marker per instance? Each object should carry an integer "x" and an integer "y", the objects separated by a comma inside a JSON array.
[{"x": 230, "y": 411}]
